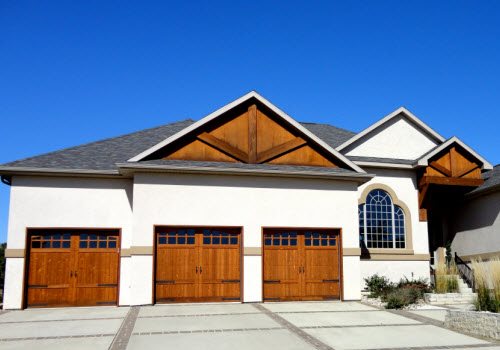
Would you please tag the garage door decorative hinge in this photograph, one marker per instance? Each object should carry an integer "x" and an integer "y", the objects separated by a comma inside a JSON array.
[
  {"x": 330, "y": 280},
  {"x": 272, "y": 281},
  {"x": 107, "y": 285},
  {"x": 230, "y": 281},
  {"x": 165, "y": 282},
  {"x": 37, "y": 286}
]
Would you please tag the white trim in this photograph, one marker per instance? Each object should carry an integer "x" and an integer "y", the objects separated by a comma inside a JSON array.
[
  {"x": 401, "y": 110},
  {"x": 424, "y": 161},
  {"x": 383, "y": 165},
  {"x": 268, "y": 104},
  {"x": 129, "y": 168}
]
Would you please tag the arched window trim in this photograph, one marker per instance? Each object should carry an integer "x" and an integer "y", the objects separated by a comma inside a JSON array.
[{"x": 395, "y": 203}]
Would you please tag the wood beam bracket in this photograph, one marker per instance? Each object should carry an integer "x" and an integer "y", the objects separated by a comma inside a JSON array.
[
  {"x": 223, "y": 147},
  {"x": 280, "y": 149}
]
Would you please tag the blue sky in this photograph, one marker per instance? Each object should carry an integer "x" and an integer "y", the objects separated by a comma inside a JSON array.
[{"x": 73, "y": 72}]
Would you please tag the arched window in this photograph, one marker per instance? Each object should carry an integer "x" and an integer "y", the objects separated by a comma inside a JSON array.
[{"x": 381, "y": 222}]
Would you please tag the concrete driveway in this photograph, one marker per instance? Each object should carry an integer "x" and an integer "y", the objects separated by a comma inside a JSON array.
[{"x": 314, "y": 325}]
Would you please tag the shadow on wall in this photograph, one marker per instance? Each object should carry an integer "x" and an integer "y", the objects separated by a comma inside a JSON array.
[
  {"x": 246, "y": 181},
  {"x": 80, "y": 183},
  {"x": 477, "y": 213}
]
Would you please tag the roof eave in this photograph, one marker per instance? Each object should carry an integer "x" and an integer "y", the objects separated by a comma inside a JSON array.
[
  {"x": 384, "y": 165},
  {"x": 11, "y": 171},
  {"x": 128, "y": 168}
]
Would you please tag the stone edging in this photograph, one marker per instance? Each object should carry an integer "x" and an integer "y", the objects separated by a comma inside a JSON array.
[{"x": 484, "y": 324}]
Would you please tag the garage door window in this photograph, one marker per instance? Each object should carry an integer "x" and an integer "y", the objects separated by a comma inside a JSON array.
[
  {"x": 219, "y": 237},
  {"x": 287, "y": 238},
  {"x": 97, "y": 241},
  {"x": 175, "y": 237},
  {"x": 56, "y": 240},
  {"x": 317, "y": 239}
]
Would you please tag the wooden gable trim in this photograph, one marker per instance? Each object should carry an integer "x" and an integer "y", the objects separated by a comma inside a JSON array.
[
  {"x": 223, "y": 146},
  {"x": 453, "y": 165},
  {"x": 249, "y": 133},
  {"x": 321, "y": 148}
]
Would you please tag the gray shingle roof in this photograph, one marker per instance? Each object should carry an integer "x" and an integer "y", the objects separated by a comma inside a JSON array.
[
  {"x": 104, "y": 154},
  {"x": 491, "y": 182}
]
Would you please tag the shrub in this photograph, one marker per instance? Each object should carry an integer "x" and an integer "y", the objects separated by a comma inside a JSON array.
[
  {"x": 402, "y": 297},
  {"x": 420, "y": 285},
  {"x": 378, "y": 286}
]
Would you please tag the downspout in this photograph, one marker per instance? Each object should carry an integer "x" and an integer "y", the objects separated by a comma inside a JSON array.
[{"x": 6, "y": 180}]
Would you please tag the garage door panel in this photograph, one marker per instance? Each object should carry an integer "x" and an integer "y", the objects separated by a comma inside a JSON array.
[
  {"x": 97, "y": 268},
  {"x": 306, "y": 268},
  {"x": 91, "y": 296},
  {"x": 69, "y": 268},
  {"x": 176, "y": 264},
  {"x": 219, "y": 264},
  {"x": 203, "y": 266}
]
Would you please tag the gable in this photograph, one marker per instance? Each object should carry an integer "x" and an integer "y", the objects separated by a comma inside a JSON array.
[
  {"x": 453, "y": 162},
  {"x": 249, "y": 133},
  {"x": 399, "y": 137},
  {"x": 249, "y": 130}
]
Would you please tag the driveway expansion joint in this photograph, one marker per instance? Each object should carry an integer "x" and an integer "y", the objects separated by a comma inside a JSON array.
[
  {"x": 201, "y": 315},
  {"x": 315, "y": 342},
  {"x": 122, "y": 337}
]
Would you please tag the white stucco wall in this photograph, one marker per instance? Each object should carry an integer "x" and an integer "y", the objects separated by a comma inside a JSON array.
[
  {"x": 251, "y": 202},
  {"x": 395, "y": 270},
  {"x": 65, "y": 202},
  {"x": 399, "y": 139},
  {"x": 477, "y": 226}
]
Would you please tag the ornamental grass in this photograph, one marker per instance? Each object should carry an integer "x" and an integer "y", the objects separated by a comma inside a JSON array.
[
  {"x": 487, "y": 280},
  {"x": 446, "y": 278}
]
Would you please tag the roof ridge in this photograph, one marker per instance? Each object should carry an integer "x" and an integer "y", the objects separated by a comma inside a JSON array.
[{"x": 99, "y": 141}]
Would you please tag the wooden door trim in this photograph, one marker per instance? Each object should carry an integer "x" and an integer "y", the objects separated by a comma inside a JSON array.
[
  {"x": 155, "y": 255},
  {"x": 27, "y": 245},
  {"x": 340, "y": 252}
]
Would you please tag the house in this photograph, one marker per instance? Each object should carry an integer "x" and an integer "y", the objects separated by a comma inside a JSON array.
[{"x": 246, "y": 204}]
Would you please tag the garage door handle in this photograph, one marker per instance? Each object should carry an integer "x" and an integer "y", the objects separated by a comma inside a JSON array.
[
  {"x": 196, "y": 269},
  {"x": 272, "y": 281}
]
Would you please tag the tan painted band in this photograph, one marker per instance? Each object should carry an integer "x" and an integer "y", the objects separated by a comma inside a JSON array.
[
  {"x": 14, "y": 253},
  {"x": 482, "y": 256},
  {"x": 252, "y": 251},
  {"x": 351, "y": 251},
  {"x": 141, "y": 250},
  {"x": 396, "y": 257},
  {"x": 382, "y": 251},
  {"x": 124, "y": 253}
]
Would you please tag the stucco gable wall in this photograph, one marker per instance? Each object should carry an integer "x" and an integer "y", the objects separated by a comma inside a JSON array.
[{"x": 398, "y": 138}]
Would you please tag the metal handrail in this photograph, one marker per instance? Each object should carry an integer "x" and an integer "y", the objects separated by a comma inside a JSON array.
[{"x": 465, "y": 272}]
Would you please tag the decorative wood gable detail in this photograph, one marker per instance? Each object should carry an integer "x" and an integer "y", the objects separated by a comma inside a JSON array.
[
  {"x": 454, "y": 166},
  {"x": 251, "y": 134}
]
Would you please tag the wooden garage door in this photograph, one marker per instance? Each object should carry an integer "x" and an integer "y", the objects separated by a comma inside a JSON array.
[
  {"x": 197, "y": 264},
  {"x": 72, "y": 268},
  {"x": 301, "y": 264}
]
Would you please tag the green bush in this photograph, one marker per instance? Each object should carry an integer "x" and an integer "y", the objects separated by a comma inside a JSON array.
[
  {"x": 452, "y": 284},
  {"x": 401, "y": 297},
  {"x": 420, "y": 285},
  {"x": 378, "y": 286}
]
